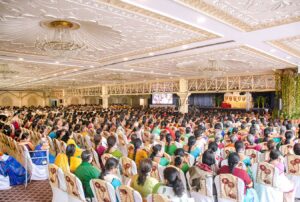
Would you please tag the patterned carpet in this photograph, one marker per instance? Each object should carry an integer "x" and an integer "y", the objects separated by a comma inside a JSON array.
[{"x": 37, "y": 191}]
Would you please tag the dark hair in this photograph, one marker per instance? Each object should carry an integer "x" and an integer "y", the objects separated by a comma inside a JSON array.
[
  {"x": 208, "y": 157},
  {"x": 86, "y": 155},
  {"x": 179, "y": 152},
  {"x": 213, "y": 146},
  {"x": 137, "y": 143},
  {"x": 145, "y": 168},
  {"x": 97, "y": 140},
  {"x": 288, "y": 137},
  {"x": 297, "y": 148},
  {"x": 274, "y": 154},
  {"x": 178, "y": 161},
  {"x": 250, "y": 139},
  {"x": 110, "y": 164},
  {"x": 235, "y": 130},
  {"x": 271, "y": 144},
  {"x": 233, "y": 160},
  {"x": 267, "y": 132},
  {"x": 70, "y": 151},
  {"x": 191, "y": 142},
  {"x": 177, "y": 136},
  {"x": 155, "y": 149},
  {"x": 7, "y": 130},
  {"x": 239, "y": 145},
  {"x": 111, "y": 141},
  {"x": 173, "y": 177},
  {"x": 24, "y": 136},
  {"x": 187, "y": 130}
]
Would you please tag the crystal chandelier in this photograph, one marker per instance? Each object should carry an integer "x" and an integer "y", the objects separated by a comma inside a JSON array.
[
  {"x": 6, "y": 72},
  {"x": 61, "y": 39},
  {"x": 213, "y": 69}
]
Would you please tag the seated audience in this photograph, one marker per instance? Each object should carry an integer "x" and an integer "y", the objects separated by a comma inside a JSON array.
[
  {"x": 157, "y": 155},
  {"x": 110, "y": 172},
  {"x": 112, "y": 147},
  {"x": 68, "y": 162}
]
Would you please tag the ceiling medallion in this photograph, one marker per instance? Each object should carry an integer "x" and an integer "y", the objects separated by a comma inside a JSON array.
[{"x": 60, "y": 39}]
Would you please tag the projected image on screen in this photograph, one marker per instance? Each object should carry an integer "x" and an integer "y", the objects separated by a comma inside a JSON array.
[{"x": 162, "y": 98}]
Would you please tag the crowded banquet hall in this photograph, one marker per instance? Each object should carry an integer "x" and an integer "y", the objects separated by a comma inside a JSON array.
[{"x": 150, "y": 101}]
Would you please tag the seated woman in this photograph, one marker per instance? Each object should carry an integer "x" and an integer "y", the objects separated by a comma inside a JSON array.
[
  {"x": 173, "y": 187},
  {"x": 180, "y": 160},
  {"x": 99, "y": 148},
  {"x": 110, "y": 172},
  {"x": 297, "y": 149},
  {"x": 208, "y": 162},
  {"x": 157, "y": 155},
  {"x": 178, "y": 142},
  {"x": 170, "y": 145},
  {"x": 138, "y": 153},
  {"x": 10, "y": 167},
  {"x": 251, "y": 143},
  {"x": 112, "y": 147},
  {"x": 68, "y": 162},
  {"x": 68, "y": 138},
  {"x": 231, "y": 168},
  {"x": 192, "y": 148},
  {"x": 287, "y": 140},
  {"x": 25, "y": 141},
  {"x": 142, "y": 182}
]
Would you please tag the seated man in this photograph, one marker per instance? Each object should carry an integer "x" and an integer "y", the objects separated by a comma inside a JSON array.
[{"x": 85, "y": 172}]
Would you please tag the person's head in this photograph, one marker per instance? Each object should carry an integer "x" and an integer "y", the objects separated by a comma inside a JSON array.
[
  {"x": 187, "y": 130},
  {"x": 70, "y": 151},
  {"x": 235, "y": 130},
  {"x": 172, "y": 177},
  {"x": 252, "y": 130},
  {"x": 177, "y": 136},
  {"x": 271, "y": 145},
  {"x": 288, "y": 136},
  {"x": 267, "y": 132},
  {"x": 111, "y": 142},
  {"x": 111, "y": 166},
  {"x": 144, "y": 170},
  {"x": 168, "y": 139},
  {"x": 233, "y": 160},
  {"x": 233, "y": 138},
  {"x": 208, "y": 157},
  {"x": 239, "y": 146},
  {"x": 25, "y": 137},
  {"x": 250, "y": 139},
  {"x": 179, "y": 152},
  {"x": 191, "y": 142},
  {"x": 213, "y": 146},
  {"x": 274, "y": 154},
  {"x": 137, "y": 143},
  {"x": 156, "y": 151},
  {"x": 86, "y": 156},
  {"x": 297, "y": 148},
  {"x": 198, "y": 133},
  {"x": 6, "y": 130},
  {"x": 97, "y": 140}
]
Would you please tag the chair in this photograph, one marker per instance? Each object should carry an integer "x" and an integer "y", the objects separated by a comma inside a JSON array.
[
  {"x": 253, "y": 154},
  {"x": 95, "y": 161},
  {"x": 106, "y": 156},
  {"x": 189, "y": 159},
  {"x": 182, "y": 177},
  {"x": 58, "y": 194},
  {"x": 227, "y": 151},
  {"x": 127, "y": 194},
  {"x": 157, "y": 171},
  {"x": 201, "y": 185},
  {"x": 229, "y": 188},
  {"x": 266, "y": 178},
  {"x": 74, "y": 188},
  {"x": 157, "y": 197},
  {"x": 293, "y": 171},
  {"x": 51, "y": 145},
  {"x": 128, "y": 169},
  {"x": 4, "y": 182},
  {"x": 103, "y": 191},
  {"x": 286, "y": 149}
]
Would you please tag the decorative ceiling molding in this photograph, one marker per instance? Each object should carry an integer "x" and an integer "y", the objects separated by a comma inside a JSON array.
[
  {"x": 290, "y": 45},
  {"x": 248, "y": 15}
]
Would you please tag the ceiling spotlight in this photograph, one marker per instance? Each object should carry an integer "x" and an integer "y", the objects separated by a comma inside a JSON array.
[
  {"x": 184, "y": 47},
  {"x": 201, "y": 19},
  {"x": 151, "y": 54},
  {"x": 288, "y": 57},
  {"x": 273, "y": 50},
  {"x": 125, "y": 59},
  {"x": 64, "y": 72},
  {"x": 56, "y": 62},
  {"x": 54, "y": 74},
  {"x": 169, "y": 73},
  {"x": 21, "y": 59},
  {"x": 152, "y": 72},
  {"x": 131, "y": 69},
  {"x": 75, "y": 70},
  {"x": 92, "y": 66}
]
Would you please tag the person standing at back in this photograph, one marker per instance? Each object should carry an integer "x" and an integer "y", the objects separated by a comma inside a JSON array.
[{"x": 86, "y": 172}]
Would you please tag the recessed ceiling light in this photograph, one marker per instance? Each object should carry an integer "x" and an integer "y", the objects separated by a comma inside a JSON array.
[
  {"x": 288, "y": 57},
  {"x": 184, "y": 47},
  {"x": 131, "y": 69},
  {"x": 201, "y": 19},
  {"x": 169, "y": 73},
  {"x": 125, "y": 59},
  {"x": 64, "y": 72},
  {"x": 54, "y": 74},
  {"x": 92, "y": 66},
  {"x": 273, "y": 50},
  {"x": 171, "y": 77},
  {"x": 151, "y": 54},
  {"x": 152, "y": 72},
  {"x": 56, "y": 62},
  {"x": 75, "y": 70},
  {"x": 21, "y": 59}
]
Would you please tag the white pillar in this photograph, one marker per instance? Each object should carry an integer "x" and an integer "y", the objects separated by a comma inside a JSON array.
[
  {"x": 105, "y": 97},
  {"x": 183, "y": 96}
]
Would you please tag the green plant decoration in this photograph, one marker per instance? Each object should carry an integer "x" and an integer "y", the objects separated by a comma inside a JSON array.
[
  {"x": 218, "y": 100},
  {"x": 258, "y": 101}
]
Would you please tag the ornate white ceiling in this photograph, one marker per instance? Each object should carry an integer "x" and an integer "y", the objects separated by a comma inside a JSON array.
[
  {"x": 251, "y": 14},
  {"x": 142, "y": 40}
]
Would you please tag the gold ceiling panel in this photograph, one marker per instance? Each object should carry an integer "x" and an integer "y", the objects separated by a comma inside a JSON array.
[
  {"x": 249, "y": 15},
  {"x": 291, "y": 45}
]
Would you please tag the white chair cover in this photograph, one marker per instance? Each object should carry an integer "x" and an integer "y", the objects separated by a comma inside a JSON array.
[
  {"x": 207, "y": 184},
  {"x": 127, "y": 194},
  {"x": 128, "y": 168},
  {"x": 267, "y": 192},
  {"x": 74, "y": 188},
  {"x": 293, "y": 172},
  {"x": 61, "y": 179},
  {"x": 4, "y": 182},
  {"x": 237, "y": 195},
  {"x": 103, "y": 191},
  {"x": 58, "y": 194}
]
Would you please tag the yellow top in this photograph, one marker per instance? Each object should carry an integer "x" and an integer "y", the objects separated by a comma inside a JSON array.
[
  {"x": 140, "y": 155},
  {"x": 62, "y": 161},
  {"x": 78, "y": 150}
]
